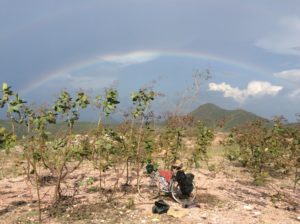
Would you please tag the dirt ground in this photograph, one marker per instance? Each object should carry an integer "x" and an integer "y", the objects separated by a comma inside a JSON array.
[{"x": 225, "y": 195}]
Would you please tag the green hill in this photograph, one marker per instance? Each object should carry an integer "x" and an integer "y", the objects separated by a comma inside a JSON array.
[
  {"x": 61, "y": 127},
  {"x": 79, "y": 127},
  {"x": 5, "y": 124},
  {"x": 212, "y": 115}
]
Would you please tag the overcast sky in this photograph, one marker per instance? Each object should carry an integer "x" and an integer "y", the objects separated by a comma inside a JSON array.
[{"x": 252, "y": 49}]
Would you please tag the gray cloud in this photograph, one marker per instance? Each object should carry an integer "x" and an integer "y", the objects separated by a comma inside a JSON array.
[
  {"x": 292, "y": 75},
  {"x": 285, "y": 39},
  {"x": 295, "y": 93},
  {"x": 38, "y": 38}
]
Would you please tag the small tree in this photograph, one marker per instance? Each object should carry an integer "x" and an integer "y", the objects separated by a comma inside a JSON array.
[
  {"x": 19, "y": 113},
  {"x": 67, "y": 149},
  {"x": 204, "y": 137},
  {"x": 295, "y": 154},
  {"x": 68, "y": 108},
  {"x": 173, "y": 135},
  {"x": 284, "y": 149},
  {"x": 14, "y": 106},
  {"x": 103, "y": 146},
  {"x": 141, "y": 101},
  {"x": 253, "y": 148},
  {"x": 7, "y": 140},
  {"x": 173, "y": 138},
  {"x": 34, "y": 144},
  {"x": 107, "y": 105},
  {"x": 128, "y": 141}
]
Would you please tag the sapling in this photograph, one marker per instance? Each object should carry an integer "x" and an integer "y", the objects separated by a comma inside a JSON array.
[
  {"x": 285, "y": 149},
  {"x": 19, "y": 113},
  {"x": 173, "y": 143},
  {"x": 7, "y": 140},
  {"x": 128, "y": 142},
  {"x": 102, "y": 146},
  {"x": 7, "y": 94},
  {"x": 295, "y": 153},
  {"x": 148, "y": 138},
  {"x": 252, "y": 140},
  {"x": 65, "y": 150},
  {"x": 294, "y": 157},
  {"x": 141, "y": 101},
  {"x": 204, "y": 137},
  {"x": 35, "y": 143},
  {"x": 68, "y": 108},
  {"x": 173, "y": 136}
]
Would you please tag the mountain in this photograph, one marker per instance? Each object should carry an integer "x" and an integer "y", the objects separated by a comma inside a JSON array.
[
  {"x": 5, "y": 124},
  {"x": 61, "y": 127},
  {"x": 209, "y": 113},
  {"x": 212, "y": 115}
]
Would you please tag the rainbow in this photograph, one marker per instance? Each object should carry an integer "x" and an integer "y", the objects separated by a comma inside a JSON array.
[{"x": 135, "y": 58}]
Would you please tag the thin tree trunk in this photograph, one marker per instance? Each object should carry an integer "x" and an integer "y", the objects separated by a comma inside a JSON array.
[
  {"x": 127, "y": 171},
  {"x": 57, "y": 193},
  {"x": 100, "y": 178},
  {"x": 296, "y": 179},
  {"x": 99, "y": 121},
  {"x": 13, "y": 128},
  {"x": 138, "y": 155},
  {"x": 37, "y": 180}
]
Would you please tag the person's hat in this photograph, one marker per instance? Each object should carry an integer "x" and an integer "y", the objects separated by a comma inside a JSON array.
[{"x": 177, "y": 164}]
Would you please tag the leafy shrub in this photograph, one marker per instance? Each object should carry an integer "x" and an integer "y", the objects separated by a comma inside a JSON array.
[
  {"x": 7, "y": 140},
  {"x": 266, "y": 151},
  {"x": 204, "y": 137}
]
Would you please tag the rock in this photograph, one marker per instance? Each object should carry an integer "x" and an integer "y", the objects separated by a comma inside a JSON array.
[
  {"x": 248, "y": 207},
  {"x": 257, "y": 213},
  {"x": 291, "y": 208},
  {"x": 204, "y": 216},
  {"x": 177, "y": 212}
]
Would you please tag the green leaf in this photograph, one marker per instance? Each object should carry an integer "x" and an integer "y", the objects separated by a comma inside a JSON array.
[
  {"x": 4, "y": 86},
  {"x": 36, "y": 156}
]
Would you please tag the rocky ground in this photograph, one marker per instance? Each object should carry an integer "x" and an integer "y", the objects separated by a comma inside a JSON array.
[{"x": 225, "y": 195}]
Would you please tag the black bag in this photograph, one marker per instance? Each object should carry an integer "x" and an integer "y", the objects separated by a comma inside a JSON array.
[
  {"x": 185, "y": 182},
  {"x": 149, "y": 168},
  {"x": 160, "y": 207}
]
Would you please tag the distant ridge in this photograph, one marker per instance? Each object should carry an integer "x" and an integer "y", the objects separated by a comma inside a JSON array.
[
  {"x": 61, "y": 127},
  {"x": 211, "y": 115}
]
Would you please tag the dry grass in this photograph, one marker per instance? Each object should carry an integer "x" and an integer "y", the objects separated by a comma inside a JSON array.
[{"x": 222, "y": 193}]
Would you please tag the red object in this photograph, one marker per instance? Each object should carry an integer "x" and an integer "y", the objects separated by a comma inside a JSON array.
[{"x": 167, "y": 174}]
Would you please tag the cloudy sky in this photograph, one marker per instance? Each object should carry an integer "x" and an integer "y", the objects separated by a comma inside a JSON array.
[{"x": 252, "y": 49}]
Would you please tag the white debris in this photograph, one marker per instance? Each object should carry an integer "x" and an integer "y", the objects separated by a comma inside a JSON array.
[
  {"x": 257, "y": 213},
  {"x": 248, "y": 207}
]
